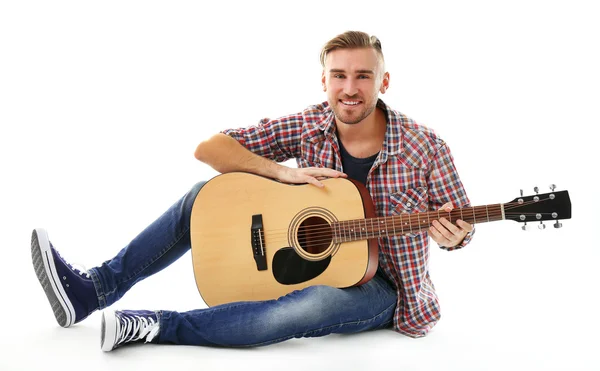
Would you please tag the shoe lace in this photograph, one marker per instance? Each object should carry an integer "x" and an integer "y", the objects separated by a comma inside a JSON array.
[
  {"x": 79, "y": 268},
  {"x": 75, "y": 267},
  {"x": 134, "y": 328}
]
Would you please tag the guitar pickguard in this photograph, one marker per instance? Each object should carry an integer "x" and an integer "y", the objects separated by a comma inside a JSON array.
[{"x": 290, "y": 268}]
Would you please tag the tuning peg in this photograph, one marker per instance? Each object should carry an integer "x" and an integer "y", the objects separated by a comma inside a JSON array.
[
  {"x": 552, "y": 187},
  {"x": 557, "y": 224},
  {"x": 525, "y": 227},
  {"x": 536, "y": 190},
  {"x": 542, "y": 225},
  {"x": 521, "y": 192}
]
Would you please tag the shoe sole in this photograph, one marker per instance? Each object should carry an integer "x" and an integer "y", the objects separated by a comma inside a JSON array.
[
  {"x": 45, "y": 269},
  {"x": 108, "y": 330}
]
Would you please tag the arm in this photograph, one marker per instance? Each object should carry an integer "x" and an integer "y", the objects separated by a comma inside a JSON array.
[
  {"x": 225, "y": 154},
  {"x": 445, "y": 192},
  {"x": 257, "y": 149}
]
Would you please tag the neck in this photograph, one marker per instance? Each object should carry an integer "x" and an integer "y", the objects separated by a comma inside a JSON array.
[
  {"x": 371, "y": 127},
  {"x": 366, "y": 137}
]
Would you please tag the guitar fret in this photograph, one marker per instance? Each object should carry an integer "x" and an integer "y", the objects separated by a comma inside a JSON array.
[
  {"x": 487, "y": 213},
  {"x": 374, "y": 227},
  {"x": 362, "y": 225},
  {"x": 474, "y": 218},
  {"x": 347, "y": 231},
  {"x": 361, "y": 228}
]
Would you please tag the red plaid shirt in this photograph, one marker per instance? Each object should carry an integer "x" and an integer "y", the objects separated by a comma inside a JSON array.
[{"x": 414, "y": 171}]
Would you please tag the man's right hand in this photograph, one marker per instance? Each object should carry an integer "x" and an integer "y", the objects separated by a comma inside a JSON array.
[{"x": 311, "y": 175}]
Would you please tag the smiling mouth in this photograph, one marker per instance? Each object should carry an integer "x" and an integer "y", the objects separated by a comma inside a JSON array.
[{"x": 350, "y": 103}]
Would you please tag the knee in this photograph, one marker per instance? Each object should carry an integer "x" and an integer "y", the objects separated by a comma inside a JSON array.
[
  {"x": 196, "y": 188},
  {"x": 321, "y": 292},
  {"x": 190, "y": 196},
  {"x": 309, "y": 306},
  {"x": 318, "y": 298}
]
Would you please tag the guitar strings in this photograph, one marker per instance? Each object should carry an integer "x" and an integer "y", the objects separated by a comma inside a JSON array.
[
  {"x": 327, "y": 229},
  {"x": 324, "y": 234},
  {"x": 328, "y": 234},
  {"x": 479, "y": 214}
]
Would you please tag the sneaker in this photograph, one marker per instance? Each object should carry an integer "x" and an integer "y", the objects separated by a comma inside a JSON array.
[
  {"x": 127, "y": 326},
  {"x": 70, "y": 291}
]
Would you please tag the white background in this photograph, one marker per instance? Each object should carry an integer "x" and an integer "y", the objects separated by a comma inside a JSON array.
[{"x": 103, "y": 103}]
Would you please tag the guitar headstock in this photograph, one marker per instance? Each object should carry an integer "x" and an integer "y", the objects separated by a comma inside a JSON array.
[{"x": 553, "y": 206}]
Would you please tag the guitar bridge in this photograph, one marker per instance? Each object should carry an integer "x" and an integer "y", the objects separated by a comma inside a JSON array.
[{"x": 258, "y": 242}]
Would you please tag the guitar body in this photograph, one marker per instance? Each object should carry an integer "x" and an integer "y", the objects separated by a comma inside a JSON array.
[{"x": 254, "y": 238}]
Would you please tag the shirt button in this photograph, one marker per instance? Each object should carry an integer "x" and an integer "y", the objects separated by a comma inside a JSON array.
[{"x": 408, "y": 204}]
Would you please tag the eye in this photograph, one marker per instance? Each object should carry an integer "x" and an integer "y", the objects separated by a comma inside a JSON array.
[
  {"x": 338, "y": 76},
  {"x": 363, "y": 76}
]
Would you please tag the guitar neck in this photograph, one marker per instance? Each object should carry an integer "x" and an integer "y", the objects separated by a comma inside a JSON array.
[{"x": 362, "y": 229}]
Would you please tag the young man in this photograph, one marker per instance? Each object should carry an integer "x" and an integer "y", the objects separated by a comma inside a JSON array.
[{"x": 405, "y": 167}]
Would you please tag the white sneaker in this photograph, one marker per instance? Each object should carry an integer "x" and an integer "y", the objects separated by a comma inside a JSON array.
[{"x": 126, "y": 326}]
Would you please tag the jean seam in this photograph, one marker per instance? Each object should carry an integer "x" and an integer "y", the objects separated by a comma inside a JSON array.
[{"x": 100, "y": 295}]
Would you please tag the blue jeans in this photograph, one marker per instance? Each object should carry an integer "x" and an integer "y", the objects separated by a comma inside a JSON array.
[{"x": 313, "y": 311}]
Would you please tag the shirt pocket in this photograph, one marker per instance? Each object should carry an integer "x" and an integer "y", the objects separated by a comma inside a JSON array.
[{"x": 412, "y": 200}]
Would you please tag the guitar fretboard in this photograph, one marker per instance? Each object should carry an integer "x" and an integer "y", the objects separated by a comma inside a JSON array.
[{"x": 362, "y": 229}]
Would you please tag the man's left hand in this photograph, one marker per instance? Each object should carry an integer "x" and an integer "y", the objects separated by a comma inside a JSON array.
[{"x": 447, "y": 234}]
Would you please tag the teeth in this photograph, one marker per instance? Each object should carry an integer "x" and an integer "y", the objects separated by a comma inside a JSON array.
[{"x": 350, "y": 103}]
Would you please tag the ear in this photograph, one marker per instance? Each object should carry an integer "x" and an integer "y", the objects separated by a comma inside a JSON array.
[
  {"x": 323, "y": 81},
  {"x": 385, "y": 83}
]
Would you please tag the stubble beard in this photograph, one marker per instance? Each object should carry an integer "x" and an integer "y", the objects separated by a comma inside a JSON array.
[{"x": 352, "y": 119}]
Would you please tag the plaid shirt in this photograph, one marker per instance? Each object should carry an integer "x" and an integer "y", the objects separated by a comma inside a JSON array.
[{"x": 414, "y": 171}]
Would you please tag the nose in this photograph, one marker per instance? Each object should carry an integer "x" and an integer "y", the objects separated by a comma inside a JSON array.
[{"x": 350, "y": 87}]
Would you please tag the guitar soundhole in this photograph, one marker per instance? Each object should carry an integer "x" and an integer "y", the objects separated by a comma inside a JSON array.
[{"x": 315, "y": 235}]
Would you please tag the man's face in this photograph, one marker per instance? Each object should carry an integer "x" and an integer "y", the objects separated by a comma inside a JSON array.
[{"x": 353, "y": 79}]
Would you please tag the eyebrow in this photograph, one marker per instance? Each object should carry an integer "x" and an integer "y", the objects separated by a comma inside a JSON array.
[{"x": 336, "y": 70}]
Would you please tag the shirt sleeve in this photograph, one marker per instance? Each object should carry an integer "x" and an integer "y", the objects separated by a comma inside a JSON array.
[
  {"x": 445, "y": 186},
  {"x": 277, "y": 140}
]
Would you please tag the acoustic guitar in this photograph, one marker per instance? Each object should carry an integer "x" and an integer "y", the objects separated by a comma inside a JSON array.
[{"x": 254, "y": 238}]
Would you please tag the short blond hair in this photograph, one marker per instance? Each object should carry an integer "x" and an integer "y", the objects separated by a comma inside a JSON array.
[{"x": 351, "y": 40}]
